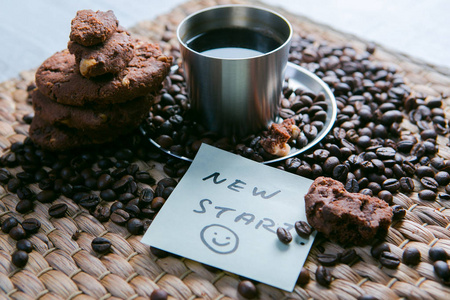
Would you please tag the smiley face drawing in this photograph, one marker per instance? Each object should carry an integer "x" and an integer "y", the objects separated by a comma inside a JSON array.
[{"x": 219, "y": 239}]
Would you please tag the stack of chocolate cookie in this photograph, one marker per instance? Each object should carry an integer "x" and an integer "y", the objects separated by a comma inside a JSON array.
[{"x": 99, "y": 88}]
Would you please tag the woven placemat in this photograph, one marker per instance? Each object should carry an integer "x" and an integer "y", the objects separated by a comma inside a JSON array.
[{"x": 64, "y": 266}]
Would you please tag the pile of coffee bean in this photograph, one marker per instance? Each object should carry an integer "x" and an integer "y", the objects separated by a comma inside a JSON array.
[
  {"x": 19, "y": 232},
  {"x": 366, "y": 149},
  {"x": 173, "y": 126},
  {"x": 439, "y": 257},
  {"x": 102, "y": 180}
]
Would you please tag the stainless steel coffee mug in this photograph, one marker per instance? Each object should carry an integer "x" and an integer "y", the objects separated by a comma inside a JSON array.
[{"x": 234, "y": 58}]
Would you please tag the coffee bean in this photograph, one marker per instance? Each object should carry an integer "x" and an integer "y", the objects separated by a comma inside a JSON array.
[
  {"x": 24, "y": 245},
  {"x": 167, "y": 181},
  {"x": 124, "y": 154},
  {"x": 283, "y": 235},
  {"x": 159, "y": 294},
  {"x": 147, "y": 223},
  {"x": 24, "y": 206},
  {"x": 303, "y": 277},
  {"x": 340, "y": 172},
  {"x": 352, "y": 185},
  {"x": 120, "y": 216},
  {"x": 386, "y": 196},
  {"x": 5, "y": 175},
  {"x": 101, "y": 245},
  {"x": 406, "y": 184},
  {"x": 167, "y": 191},
  {"x": 437, "y": 253},
  {"x": 391, "y": 185},
  {"x": 132, "y": 209},
  {"x": 348, "y": 256},
  {"x": 19, "y": 258},
  {"x": 157, "y": 203},
  {"x": 105, "y": 163},
  {"x": 116, "y": 205},
  {"x": 375, "y": 187},
  {"x": 385, "y": 153},
  {"x": 24, "y": 193},
  {"x": 146, "y": 196},
  {"x": 405, "y": 146},
  {"x": 89, "y": 201},
  {"x": 105, "y": 181},
  {"x": 376, "y": 178},
  {"x": 135, "y": 226},
  {"x": 17, "y": 232},
  {"x": 102, "y": 213},
  {"x": 121, "y": 185},
  {"x": 398, "y": 211},
  {"x": 247, "y": 289},
  {"x": 409, "y": 168},
  {"x": 378, "y": 249},
  {"x": 25, "y": 177},
  {"x": 67, "y": 190},
  {"x": 427, "y": 195},
  {"x": 429, "y": 183},
  {"x": 125, "y": 197},
  {"x": 367, "y": 297},
  {"x": 442, "y": 178},
  {"x": 327, "y": 260},
  {"x": 158, "y": 252},
  {"x": 46, "y": 196},
  {"x": 108, "y": 195},
  {"x": 58, "y": 210},
  {"x": 303, "y": 229},
  {"x": 424, "y": 171},
  {"x": 437, "y": 162},
  {"x": 442, "y": 270},
  {"x": 323, "y": 276},
  {"x": 330, "y": 164},
  {"x": 8, "y": 224},
  {"x": 428, "y": 134},
  {"x": 389, "y": 260},
  {"x": 144, "y": 177},
  {"x": 31, "y": 225},
  {"x": 444, "y": 196},
  {"x": 321, "y": 154},
  {"x": 119, "y": 172},
  {"x": 366, "y": 191},
  {"x": 14, "y": 184},
  {"x": 411, "y": 256}
]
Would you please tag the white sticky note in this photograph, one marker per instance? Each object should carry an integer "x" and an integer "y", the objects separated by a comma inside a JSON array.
[{"x": 225, "y": 212}]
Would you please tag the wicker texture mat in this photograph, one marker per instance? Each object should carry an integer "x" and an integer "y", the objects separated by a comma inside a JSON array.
[{"x": 65, "y": 267}]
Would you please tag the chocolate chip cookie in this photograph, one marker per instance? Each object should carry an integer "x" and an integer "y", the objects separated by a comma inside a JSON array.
[
  {"x": 112, "y": 56},
  {"x": 90, "y": 28},
  {"x": 59, "y": 79},
  {"x": 93, "y": 121}
]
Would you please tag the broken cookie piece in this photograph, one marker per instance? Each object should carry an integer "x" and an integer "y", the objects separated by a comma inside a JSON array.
[
  {"x": 91, "y": 28},
  {"x": 276, "y": 143},
  {"x": 112, "y": 56},
  {"x": 345, "y": 217}
]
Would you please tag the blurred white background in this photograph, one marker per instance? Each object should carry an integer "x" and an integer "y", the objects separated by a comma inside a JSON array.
[{"x": 31, "y": 31}]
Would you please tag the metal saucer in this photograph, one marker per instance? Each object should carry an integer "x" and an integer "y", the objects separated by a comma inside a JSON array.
[{"x": 301, "y": 78}]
